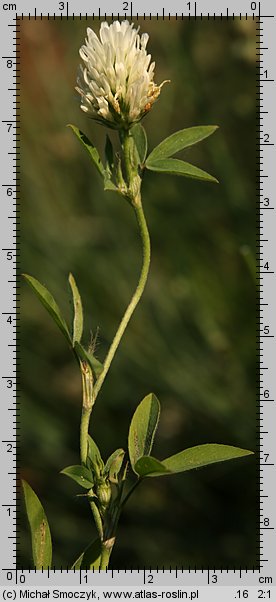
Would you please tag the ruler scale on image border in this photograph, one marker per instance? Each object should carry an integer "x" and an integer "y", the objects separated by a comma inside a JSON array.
[{"x": 243, "y": 580}]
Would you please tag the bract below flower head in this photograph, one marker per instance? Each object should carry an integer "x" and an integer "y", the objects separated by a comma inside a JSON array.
[{"x": 116, "y": 82}]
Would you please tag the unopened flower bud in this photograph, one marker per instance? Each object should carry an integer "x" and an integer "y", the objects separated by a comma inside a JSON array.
[{"x": 103, "y": 492}]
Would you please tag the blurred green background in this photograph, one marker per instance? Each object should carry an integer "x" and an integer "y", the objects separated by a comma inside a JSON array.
[{"x": 192, "y": 338}]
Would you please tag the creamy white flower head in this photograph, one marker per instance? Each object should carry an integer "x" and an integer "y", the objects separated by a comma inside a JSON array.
[{"x": 116, "y": 83}]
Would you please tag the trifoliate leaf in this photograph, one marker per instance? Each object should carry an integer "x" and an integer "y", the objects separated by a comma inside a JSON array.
[
  {"x": 49, "y": 303},
  {"x": 94, "y": 457},
  {"x": 78, "y": 313},
  {"x": 189, "y": 459},
  {"x": 88, "y": 357},
  {"x": 90, "y": 148},
  {"x": 179, "y": 168},
  {"x": 40, "y": 531},
  {"x": 109, "y": 156},
  {"x": 140, "y": 138},
  {"x": 142, "y": 428},
  {"x": 180, "y": 140},
  {"x": 80, "y": 474},
  {"x": 114, "y": 464}
]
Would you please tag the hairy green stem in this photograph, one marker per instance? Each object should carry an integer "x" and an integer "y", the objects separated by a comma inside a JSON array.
[
  {"x": 126, "y": 145},
  {"x": 84, "y": 426},
  {"x": 106, "y": 550},
  {"x": 110, "y": 531},
  {"x": 90, "y": 392},
  {"x": 97, "y": 516},
  {"x": 135, "y": 299}
]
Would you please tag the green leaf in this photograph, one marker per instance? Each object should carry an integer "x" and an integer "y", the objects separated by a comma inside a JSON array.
[
  {"x": 202, "y": 455},
  {"x": 140, "y": 138},
  {"x": 180, "y": 140},
  {"x": 78, "y": 314},
  {"x": 91, "y": 149},
  {"x": 189, "y": 459},
  {"x": 108, "y": 184},
  {"x": 119, "y": 175},
  {"x": 80, "y": 474},
  {"x": 49, "y": 302},
  {"x": 109, "y": 156},
  {"x": 88, "y": 357},
  {"x": 179, "y": 168},
  {"x": 147, "y": 466},
  {"x": 90, "y": 558},
  {"x": 114, "y": 464},
  {"x": 109, "y": 165},
  {"x": 142, "y": 428},
  {"x": 40, "y": 531},
  {"x": 94, "y": 456}
]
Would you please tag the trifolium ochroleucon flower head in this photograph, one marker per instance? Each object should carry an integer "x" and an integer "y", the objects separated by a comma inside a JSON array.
[{"x": 116, "y": 82}]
